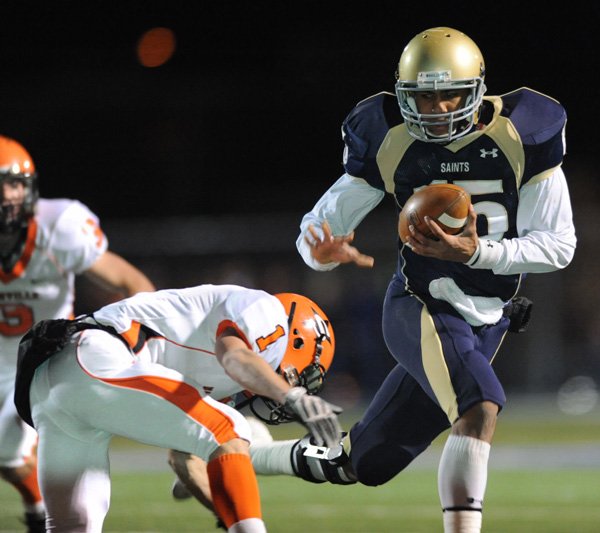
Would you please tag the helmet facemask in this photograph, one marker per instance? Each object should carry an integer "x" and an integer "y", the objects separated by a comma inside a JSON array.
[
  {"x": 459, "y": 122},
  {"x": 274, "y": 413},
  {"x": 16, "y": 213}
]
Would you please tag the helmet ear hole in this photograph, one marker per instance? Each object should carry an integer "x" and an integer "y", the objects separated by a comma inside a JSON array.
[{"x": 298, "y": 343}]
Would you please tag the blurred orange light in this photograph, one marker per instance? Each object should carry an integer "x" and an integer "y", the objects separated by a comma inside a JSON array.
[{"x": 155, "y": 47}]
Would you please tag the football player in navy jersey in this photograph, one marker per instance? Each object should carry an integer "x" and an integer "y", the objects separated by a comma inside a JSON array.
[{"x": 445, "y": 311}]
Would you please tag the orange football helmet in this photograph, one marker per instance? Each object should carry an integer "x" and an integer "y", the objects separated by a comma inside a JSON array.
[
  {"x": 311, "y": 343},
  {"x": 16, "y": 166},
  {"x": 309, "y": 353}
]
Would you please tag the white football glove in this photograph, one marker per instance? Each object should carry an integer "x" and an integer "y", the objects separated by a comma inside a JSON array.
[{"x": 319, "y": 416}]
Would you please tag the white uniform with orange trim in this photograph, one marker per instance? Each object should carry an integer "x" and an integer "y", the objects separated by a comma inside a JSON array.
[
  {"x": 153, "y": 392},
  {"x": 189, "y": 320},
  {"x": 63, "y": 239}
]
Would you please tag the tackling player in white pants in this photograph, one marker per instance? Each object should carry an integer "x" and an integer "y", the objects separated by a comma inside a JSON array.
[
  {"x": 44, "y": 244},
  {"x": 147, "y": 379}
]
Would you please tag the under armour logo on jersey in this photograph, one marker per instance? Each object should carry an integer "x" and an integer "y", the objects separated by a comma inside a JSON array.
[{"x": 484, "y": 153}]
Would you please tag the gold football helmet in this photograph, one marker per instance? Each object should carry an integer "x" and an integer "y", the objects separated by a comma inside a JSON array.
[
  {"x": 440, "y": 59},
  {"x": 16, "y": 165}
]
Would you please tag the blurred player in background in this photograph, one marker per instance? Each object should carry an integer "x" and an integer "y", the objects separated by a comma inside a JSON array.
[
  {"x": 143, "y": 368},
  {"x": 451, "y": 299},
  {"x": 43, "y": 245}
]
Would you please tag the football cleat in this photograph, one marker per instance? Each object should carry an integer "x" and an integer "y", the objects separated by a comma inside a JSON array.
[
  {"x": 35, "y": 522},
  {"x": 179, "y": 491}
]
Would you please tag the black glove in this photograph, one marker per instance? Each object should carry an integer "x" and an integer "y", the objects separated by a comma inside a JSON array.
[
  {"x": 518, "y": 311},
  {"x": 319, "y": 416}
]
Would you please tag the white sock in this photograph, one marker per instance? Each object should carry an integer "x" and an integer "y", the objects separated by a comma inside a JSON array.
[
  {"x": 462, "y": 478},
  {"x": 273, "y": 458},
  {"x": 249, "y": 525}
]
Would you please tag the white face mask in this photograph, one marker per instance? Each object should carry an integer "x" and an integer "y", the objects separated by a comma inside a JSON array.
[{"x": 458, "y": 123}]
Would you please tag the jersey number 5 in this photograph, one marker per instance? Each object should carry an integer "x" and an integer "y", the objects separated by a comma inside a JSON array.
[
  {"x": 15, "y": 319},
  {"x": 495, "y": 213}
]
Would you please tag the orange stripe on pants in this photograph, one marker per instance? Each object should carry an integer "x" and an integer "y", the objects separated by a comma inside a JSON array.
[
  {"x": 184, "y": 396},
  {"x": 28, "y": 486},
  {"x": 234, "y": 488}
]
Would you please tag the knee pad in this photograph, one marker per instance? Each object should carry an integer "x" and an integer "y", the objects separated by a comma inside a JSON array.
[{"x": 319, "y": 464}]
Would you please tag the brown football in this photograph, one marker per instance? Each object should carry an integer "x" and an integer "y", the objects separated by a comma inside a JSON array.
[{"x": 445, "y": 203}]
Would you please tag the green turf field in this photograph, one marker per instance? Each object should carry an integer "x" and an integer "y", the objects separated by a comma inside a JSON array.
[
  {"x": 516, "y": 502},
  {"x": 540, "y": 498}
]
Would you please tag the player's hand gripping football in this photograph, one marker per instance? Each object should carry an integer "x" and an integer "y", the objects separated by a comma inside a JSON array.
[
  {"x": 458, "y": 248},
  {"x": 330, "y": 249},
  {"x": 319, "y": 416}
]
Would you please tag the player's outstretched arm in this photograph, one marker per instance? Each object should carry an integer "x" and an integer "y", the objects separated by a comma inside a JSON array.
[
  {"x": 114, "y": 273},
  {"x": 254, "y": 374},
  {"x": 335, "y": 249}
]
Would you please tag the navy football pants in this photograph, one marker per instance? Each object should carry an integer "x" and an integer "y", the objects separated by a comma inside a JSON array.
[{"x": 444, "y": 368}]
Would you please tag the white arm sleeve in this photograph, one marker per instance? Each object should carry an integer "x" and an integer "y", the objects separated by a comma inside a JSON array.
[
  {"x": 343, "y": 206},
  {"x": 546, "y": 239}
]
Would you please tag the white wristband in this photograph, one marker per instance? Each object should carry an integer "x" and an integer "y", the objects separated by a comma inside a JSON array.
[
  {"x": 475, "y": 256},
  {"x": 489, "y": 255}
]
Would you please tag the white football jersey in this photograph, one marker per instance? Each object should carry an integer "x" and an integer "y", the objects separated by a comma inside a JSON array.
[
  {"x": 188, "y": 322},
  {"x": 63, "y": 239}
]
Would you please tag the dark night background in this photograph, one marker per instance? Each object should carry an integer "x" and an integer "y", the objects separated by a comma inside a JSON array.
[
  {"x": 246, "y": 115},
  {"x": 200, "y": 169}
]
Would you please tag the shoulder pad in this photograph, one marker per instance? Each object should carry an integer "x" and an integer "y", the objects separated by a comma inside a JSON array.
[
  {"x": 373, "y": 115},
  {"x": 364, "y": 130},
  {"x": 536, "y": 117},
  {"x": 73, "y": 233},
  {"x": 48, "y": 211}
]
